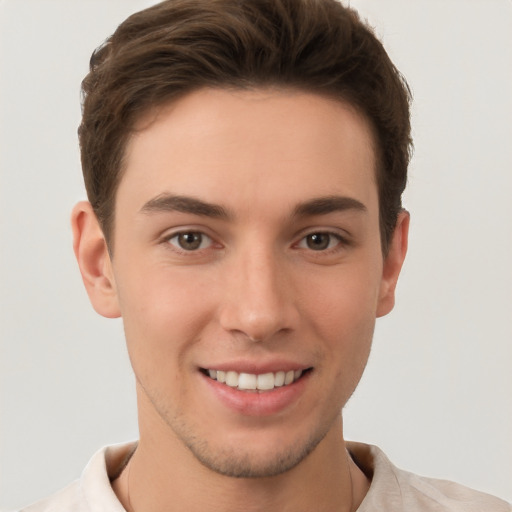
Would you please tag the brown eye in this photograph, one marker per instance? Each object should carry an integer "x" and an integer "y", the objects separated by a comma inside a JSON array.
[
  {"x": 190, "y": 240},
  {"x": 319, "y": 241}
]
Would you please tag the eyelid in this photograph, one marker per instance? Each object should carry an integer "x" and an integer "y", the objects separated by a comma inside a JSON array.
[
  {"x": 204, "y": 239},
  {"x": 343, "y": 238},
  {"x": 342, "y": 234},
  {"x": 169, "y": 234},
  {"x": 331, "y": 234}
]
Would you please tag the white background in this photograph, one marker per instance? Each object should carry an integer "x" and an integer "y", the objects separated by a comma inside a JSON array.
[{"x": 437, "y": 394}]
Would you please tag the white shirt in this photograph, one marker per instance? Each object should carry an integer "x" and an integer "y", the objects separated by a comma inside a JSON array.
[{"x": 391, "y": 489}]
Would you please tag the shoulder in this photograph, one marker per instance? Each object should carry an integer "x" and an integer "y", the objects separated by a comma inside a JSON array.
[
  {"x": 92, "y": 492},
  {"x": 70, "y": 499},
  {"x": 433, "y": 494},
  {"x": 394, "y": 489}
]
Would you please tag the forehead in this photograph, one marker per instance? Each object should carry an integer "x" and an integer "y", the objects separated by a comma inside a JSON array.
[{"x": 273, "y": 145}]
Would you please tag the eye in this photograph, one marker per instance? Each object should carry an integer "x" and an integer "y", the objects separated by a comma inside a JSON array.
[
  {"x": 190, "y": 240},
  {"x": 320, "y": 241}
]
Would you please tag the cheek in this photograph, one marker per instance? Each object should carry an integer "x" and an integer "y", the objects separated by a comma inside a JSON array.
[
  {"x": 343, "y": 298},
  {"x": 341, "y": 310},
  {"x": 164, "y": 314}
]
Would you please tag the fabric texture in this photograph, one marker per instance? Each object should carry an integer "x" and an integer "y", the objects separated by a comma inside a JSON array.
[{"x": 391, "y": 489}]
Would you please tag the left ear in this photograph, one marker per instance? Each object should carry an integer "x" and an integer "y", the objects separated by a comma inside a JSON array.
[
  {"x": 94, "y": 260},
  {"x": 393, "y": 262}
]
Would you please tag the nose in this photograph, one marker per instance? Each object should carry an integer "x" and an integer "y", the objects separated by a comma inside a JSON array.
[{"x": 258, "y": 297}]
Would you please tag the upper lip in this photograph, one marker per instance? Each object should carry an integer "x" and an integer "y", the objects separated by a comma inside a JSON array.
[{"x": 256, "y": 367}]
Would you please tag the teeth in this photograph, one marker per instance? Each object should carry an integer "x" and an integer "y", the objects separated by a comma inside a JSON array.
[
  {"x": 247, "y": 381},
  {"x": 232, "y": 379},
  {"x": 250, "y": 381},
  {"x": 266, "y": 381},
  {"x": 279, "y": 379}
]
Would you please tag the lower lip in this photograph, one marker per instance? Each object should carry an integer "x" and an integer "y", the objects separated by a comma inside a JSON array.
[{"x": 252, "y": 403}]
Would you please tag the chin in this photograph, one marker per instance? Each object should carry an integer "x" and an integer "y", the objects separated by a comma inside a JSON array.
[
  {"x": 255, "y": 455},
  {"x": 237, "y": 463}
]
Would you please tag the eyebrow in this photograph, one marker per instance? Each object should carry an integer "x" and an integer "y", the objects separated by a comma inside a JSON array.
[
  {"x": 184, "y": 204},
  {"x": 328, "y": 204},
  {"x": 187, "y": 204}
]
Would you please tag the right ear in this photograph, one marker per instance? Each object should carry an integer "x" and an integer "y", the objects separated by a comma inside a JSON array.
[{"x": 93, "y": 258}]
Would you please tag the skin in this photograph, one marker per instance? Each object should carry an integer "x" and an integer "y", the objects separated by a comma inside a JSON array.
[{"x": 278, "y": 278}]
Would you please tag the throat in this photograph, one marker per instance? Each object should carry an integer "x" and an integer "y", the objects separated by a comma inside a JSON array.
[{"x": 163, "y": 474}]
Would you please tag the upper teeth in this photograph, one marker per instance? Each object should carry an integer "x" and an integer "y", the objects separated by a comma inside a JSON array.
[{"x": 250, "y": 381}]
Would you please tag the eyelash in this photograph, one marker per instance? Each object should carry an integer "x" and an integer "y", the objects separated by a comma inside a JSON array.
[
  {"x": 203, "y": 238},
  {"x": 340, "y": 242},
  {"x": 301, "y": 244}
]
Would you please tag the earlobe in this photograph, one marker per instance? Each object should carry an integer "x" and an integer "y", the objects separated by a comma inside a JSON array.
[
  {"x": 93, "y": 258},
  {"x": 393, "y": 264}
]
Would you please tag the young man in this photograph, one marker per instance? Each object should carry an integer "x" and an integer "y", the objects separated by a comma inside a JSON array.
[{"x": 244, "y": 163}]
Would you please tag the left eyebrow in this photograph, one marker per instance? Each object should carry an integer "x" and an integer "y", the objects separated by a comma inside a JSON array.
[
  {"x": 184, "y": 204},
  {"x": 328, "y": 204}
]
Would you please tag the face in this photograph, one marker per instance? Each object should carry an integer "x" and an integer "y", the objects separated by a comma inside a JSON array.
[{"x": 248, "y": 270}]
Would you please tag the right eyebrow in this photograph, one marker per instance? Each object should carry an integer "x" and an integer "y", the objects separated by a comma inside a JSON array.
[
  {"x": 328, "y": 204},
  {"x": 184, "y": 204}
]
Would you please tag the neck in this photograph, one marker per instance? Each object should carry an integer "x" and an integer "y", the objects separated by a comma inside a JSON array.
[{"x": 165, "y": 476}]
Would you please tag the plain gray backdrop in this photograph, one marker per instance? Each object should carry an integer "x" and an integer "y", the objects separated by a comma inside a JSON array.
[{"x": 436, "y": 395}]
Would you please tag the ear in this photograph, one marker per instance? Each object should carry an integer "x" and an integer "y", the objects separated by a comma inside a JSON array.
[
  {"x": 94, "y": 260},
  {"x": 393, "y": 264}
]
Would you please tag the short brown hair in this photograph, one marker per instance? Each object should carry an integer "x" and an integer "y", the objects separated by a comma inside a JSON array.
[{"x": 177, "y": 46}]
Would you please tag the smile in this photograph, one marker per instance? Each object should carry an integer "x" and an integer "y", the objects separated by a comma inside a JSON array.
[{"x": 253, "y": 382}]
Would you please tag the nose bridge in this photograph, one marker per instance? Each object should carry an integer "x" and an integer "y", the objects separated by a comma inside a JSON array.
[{"x": 257, "y": 301}]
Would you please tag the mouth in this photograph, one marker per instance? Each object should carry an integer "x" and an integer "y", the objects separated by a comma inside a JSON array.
[{"x": 258, "y": 383}]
